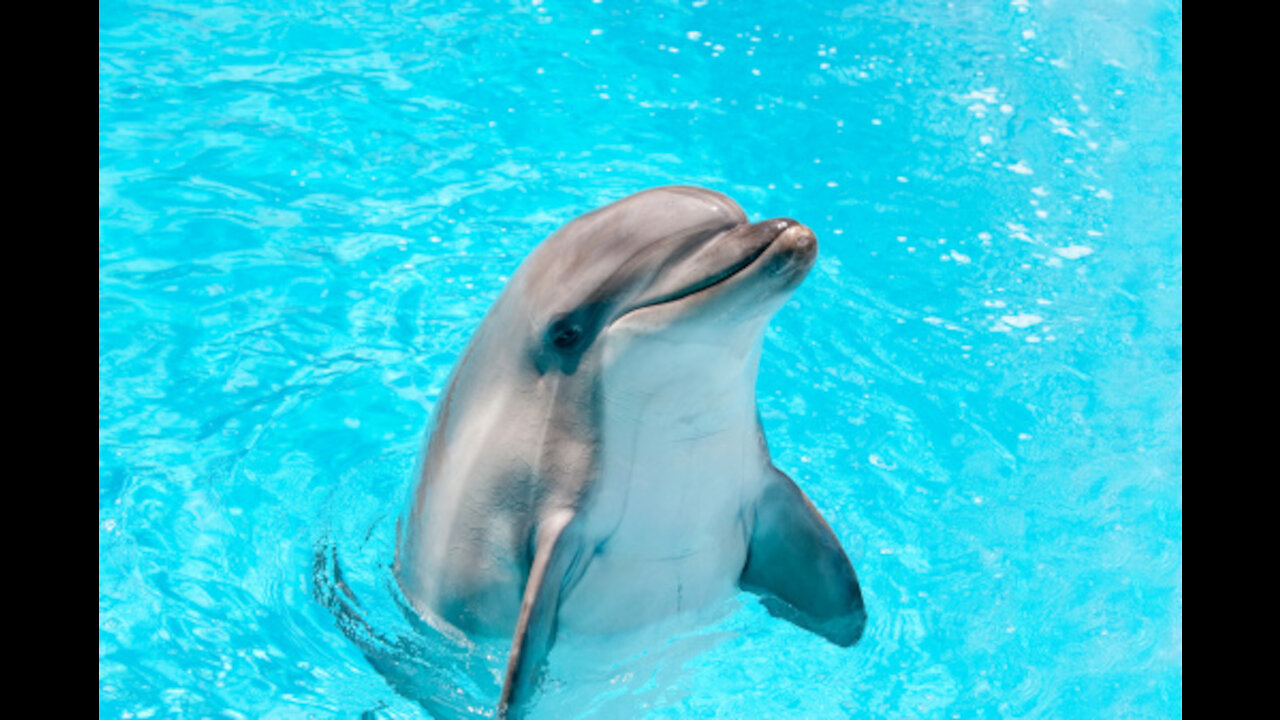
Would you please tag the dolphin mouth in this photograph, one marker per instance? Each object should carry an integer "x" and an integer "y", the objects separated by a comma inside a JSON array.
[
  {"x": 717, "y": 278},
  {"x": 773, "y": 230}
]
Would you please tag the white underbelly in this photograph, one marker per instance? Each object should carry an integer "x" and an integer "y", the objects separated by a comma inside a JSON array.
[
  {"x": 682, "y": 460},
  {"x": 619, "y": 593},
  {"x": 665, "y": 533}
]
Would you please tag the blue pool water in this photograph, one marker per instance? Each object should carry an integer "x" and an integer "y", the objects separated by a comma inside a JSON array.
[{"x": 305, "y": 209}]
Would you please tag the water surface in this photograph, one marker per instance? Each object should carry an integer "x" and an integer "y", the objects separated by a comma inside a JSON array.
[{"x": 305, "y": 209}]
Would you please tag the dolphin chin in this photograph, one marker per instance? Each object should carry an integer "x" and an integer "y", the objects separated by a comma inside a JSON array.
[{"x": 597, "y": 464}]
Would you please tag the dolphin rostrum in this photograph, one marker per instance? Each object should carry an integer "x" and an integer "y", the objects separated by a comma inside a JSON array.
[{"x": 598, "y": 464}]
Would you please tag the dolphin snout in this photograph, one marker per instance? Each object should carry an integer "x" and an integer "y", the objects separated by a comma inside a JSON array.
[
  {"x": 797, "y": 237},
  {"x": 796, "y": 247}
]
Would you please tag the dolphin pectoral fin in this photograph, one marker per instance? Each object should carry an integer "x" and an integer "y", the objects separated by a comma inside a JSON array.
[
  {"x": 796, "y": 564},
  {"x": 554, "y": 558}
]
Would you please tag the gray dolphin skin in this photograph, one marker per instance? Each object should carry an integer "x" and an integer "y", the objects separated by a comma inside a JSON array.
[{"x": 598, "y": 464}]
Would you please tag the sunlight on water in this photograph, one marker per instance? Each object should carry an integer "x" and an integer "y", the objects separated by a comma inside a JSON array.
[{"x": 306, "y": 208}]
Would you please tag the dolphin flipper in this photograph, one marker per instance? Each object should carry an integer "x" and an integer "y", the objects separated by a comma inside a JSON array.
[
  {"x": 555, "y": 556},
  {"x": 796, "y": 564}
]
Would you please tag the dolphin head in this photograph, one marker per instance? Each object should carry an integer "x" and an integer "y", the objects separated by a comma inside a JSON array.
[{"x": 664, "y": 267}]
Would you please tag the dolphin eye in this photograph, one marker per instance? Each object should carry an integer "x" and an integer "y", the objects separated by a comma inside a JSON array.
[{"x": 565, "y": 334}]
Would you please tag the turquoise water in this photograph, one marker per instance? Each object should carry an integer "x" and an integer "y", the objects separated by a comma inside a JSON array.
[{"x": 305, "y": 209}]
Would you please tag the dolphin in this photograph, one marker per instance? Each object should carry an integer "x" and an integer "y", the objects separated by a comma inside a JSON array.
[{"x": 597, "y": 463}]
